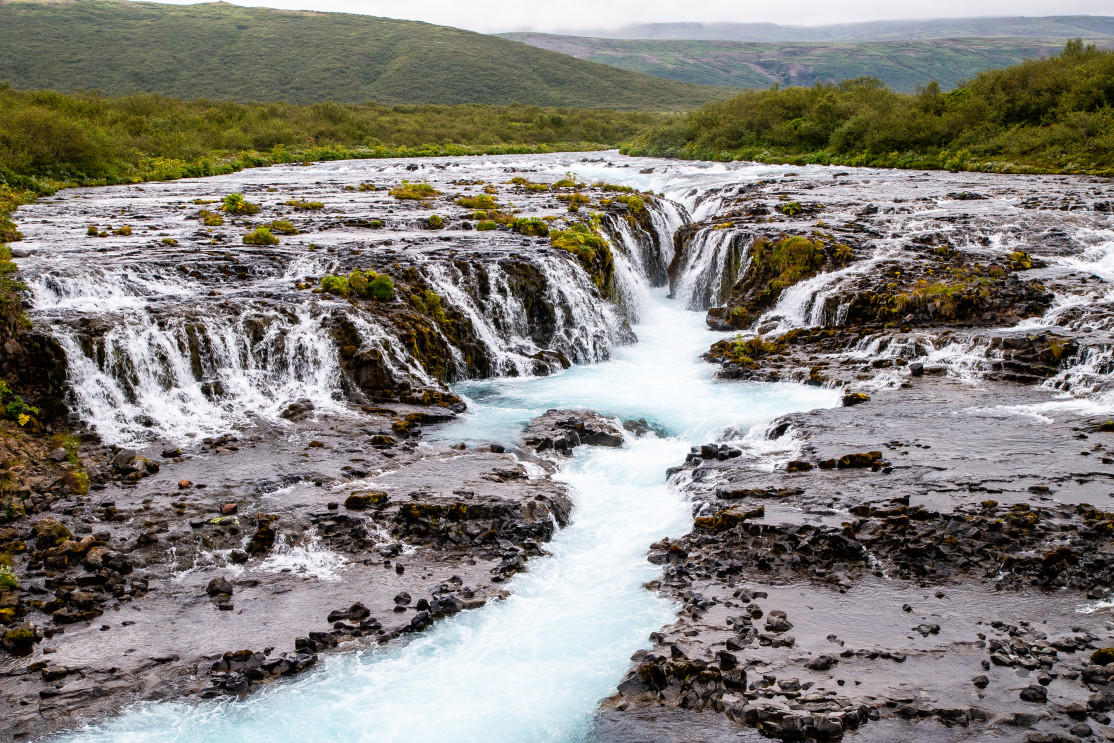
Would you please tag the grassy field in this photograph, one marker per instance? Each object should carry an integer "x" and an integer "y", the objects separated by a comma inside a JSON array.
[
  {"x": 1050, "y": 115},
  {"x": 226, "y": 52},
  {"x": 902, "y": 65}
]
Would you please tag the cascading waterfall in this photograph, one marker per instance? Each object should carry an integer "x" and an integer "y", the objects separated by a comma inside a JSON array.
[
  {"x": 187, "y": 376},
  {"x": 713, "y": 261},
  {"x": 533, "y": 667}
]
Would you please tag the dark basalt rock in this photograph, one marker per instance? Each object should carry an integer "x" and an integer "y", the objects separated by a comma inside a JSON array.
[{"x": 560, "y": 431}]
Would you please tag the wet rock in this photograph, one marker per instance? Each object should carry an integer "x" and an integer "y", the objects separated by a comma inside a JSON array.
[
  {"x": 219, "y": 586},
  {"x": 364, "y": 501},
  {"x": 820, "y": 662},
  {"x": 776, "y": 621},
  {"x": 562, "y": 430},
  {"x": 1034, "y": 693}
]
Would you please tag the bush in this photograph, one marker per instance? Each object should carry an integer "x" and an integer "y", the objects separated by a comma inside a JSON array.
[
  {"x": 283, "y": 227},
  {"x": 381, "y": 287},
  {"x": 531, "y": 226},
  {"x": 124, "y": 231},
  {"x": 480, "y": 201},
  {"x": 579, "y": 239},
  {"x": 1055, "y": 113},
  {"x": 485, "y": 225},
  {"x": 435, "y": 222},
  {"x": 234, "y": 203},
  {"x": 15, "y": 407},
  {"x": 261, "y": 236},
  {"x": 210, "y": 219},
  {"x": 335, "y": 285},
  {"x": 303, "y": 205},
  {"x": 8, "y": 579},
  {"x": 415, "y": 191}
]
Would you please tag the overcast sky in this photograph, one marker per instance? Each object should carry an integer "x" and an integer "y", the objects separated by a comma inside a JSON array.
[{"x": 562, "y": 15}]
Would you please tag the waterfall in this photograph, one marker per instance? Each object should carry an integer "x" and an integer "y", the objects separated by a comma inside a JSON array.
[
  {"x": 174, "y": 344},
  {"x": 711, "y": 262}
]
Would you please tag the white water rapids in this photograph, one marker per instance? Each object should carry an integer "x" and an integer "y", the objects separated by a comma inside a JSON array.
[{"x": 532, "y": 667}]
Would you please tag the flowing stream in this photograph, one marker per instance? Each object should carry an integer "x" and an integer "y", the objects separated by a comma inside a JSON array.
[
  {"x": 152, "y": 356},
  {"x": 532, "y": 667}
]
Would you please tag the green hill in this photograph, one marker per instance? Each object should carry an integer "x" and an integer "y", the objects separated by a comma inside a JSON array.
[
  {"x": 902, "y": 65},
  {"x": 226, "y": 52}
]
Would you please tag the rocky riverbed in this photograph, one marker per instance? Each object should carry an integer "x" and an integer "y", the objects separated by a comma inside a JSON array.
[
  {"x": 262, "y": 473},
  {"x": 932, "y": 559}
]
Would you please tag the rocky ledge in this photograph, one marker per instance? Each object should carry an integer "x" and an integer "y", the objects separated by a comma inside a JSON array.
[
  {"x": 211, "y": 574},
  {"x": 930, "y": 560}
]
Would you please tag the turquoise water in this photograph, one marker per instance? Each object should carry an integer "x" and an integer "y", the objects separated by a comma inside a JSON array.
[{"x": 531, "y": 668}]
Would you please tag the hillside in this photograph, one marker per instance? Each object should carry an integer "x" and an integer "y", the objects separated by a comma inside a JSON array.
[
  {"x": 226, "y": 52},
  {"x": 1050, "y": 27},
  {"x": 1049, "y": 115},
  {"x": 902, "y": 65}
]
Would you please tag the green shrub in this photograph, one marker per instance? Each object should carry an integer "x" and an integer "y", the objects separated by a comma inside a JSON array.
[
  {"x": 15, "y": 406},
  {"x": 283, "y": 227},
  {"x": 303, "y": 205},
  {"x": 260, "y": 236},
  {"x": 234, "y": 203},
  {"x": 8, "y": 579},
  {"x": 1043, "y": 114},
  {"x": 485, "y": 225},
  {"x": 436, "y": 222},
  {"x": 375, "y": 224},
  {"x": 790, "y": 208},
  {"x": 480, "y": 201},
  {"x": 381, "y": 287},
  {"x": 335, "y": 285},
  {"x": 368, "y": 284},
  {"x": 415, "y": 191},
  {"x": 210, "y": 219},
  {"x": 579, "y": 239},
  {"x": 613, "y": 187},
  {"x": 93, "y": 231},
  {"x": 169, "y": 241},
  {"x": 124, "y": 231},
  {"x": 635, "y": 203},
  {"x": 368, "y": 187},
  {"x": 531, "y": 226},
  {"x": 357, "y": 283}
]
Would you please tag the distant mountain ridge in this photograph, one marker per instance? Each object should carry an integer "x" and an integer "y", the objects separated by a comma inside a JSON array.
[
  {"x": 226, "y": 52},
  {"x": 1048, "y": 27},
  {"x": 903, "y": 65}
]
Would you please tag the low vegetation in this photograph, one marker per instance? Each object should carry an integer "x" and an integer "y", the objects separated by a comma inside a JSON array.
[
  {"x": 49, "y": 139},
  {"x": 588, "y": 244},
  {"x": 480, "y": 201},
  {"x": 235, "y": 203},
  {"x": 414, "y": 191},
  {"x": 366, "y": 284},
  {"x": 303, "y": 205},
  {"x": 261, "y": 236},
  {"x": 1054, "y": 115}
]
